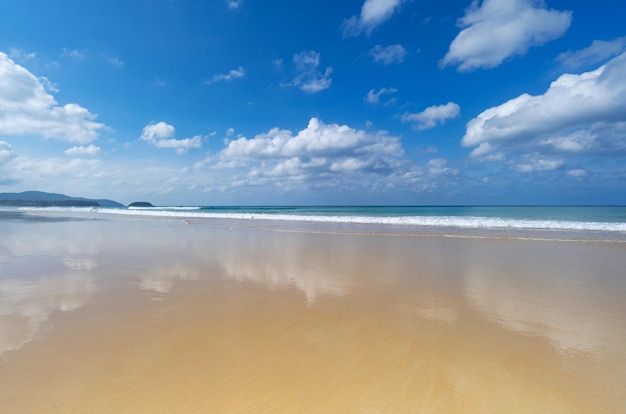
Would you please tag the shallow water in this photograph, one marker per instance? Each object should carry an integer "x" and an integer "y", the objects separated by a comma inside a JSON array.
[{"x": 160, "y": 315}]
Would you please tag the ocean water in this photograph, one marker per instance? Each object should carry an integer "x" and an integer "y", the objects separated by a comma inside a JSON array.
[{"x": 587, "y": 223}]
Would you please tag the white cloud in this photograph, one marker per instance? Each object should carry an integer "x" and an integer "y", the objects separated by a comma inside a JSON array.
[
  {"x": 433, "y": 115},
  {"x": 598, "y": 52},
  {"x": 48, "y": 84},
  {"x": 5, "y": 150},
  {"x": 316, "y": 140},
  {"x": 573, "y": 108},
  {"x": 309, "y": 78},
  {"x": 27, "y": 109},
  {"x": 81, "y": 150},
  {"x": 499, "y": 29},
  {"x": 373, "y": 96},
  {"x": 234, "y": 4},
  {"x": 439, "y": 166},
  {"x": 373, "y": 14},
  {"x": 44, "y": 172},
  {"x": 320, "y": 162},
  {"x": 155, "y": 132},
  {"x": 579, "y": 117},
  {"x": 536, "y": 162},
  {"x": 161, "y": 135},
  {"x": 76, "y": 53},
  {"x": 388, "y": 55},
  {"x": 238, "y": 73},
  {"x": 321, "y": 155},
  {"x": 20, "y": 55},
  {"x": 577, "y": 173}
]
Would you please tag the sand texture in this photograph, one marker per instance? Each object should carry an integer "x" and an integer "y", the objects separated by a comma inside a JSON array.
[{"x": 156, "y": 316}]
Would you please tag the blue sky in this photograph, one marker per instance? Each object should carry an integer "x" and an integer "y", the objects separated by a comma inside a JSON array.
[{"x": 243, "y": 102}]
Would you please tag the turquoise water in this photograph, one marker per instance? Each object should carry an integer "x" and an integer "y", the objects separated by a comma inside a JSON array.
[{"x": 607, "y": 214}]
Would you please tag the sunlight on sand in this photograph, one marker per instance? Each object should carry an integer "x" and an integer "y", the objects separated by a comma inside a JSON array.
[{"x": 155, "y": 316}]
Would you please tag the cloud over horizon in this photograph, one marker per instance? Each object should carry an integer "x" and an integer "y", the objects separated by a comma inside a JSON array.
[{"x": 578, "y": 115}]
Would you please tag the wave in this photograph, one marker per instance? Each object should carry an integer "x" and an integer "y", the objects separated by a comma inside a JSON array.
[
  {"x": 166, "y": 208},
  {"x": 460, "y": 222}
]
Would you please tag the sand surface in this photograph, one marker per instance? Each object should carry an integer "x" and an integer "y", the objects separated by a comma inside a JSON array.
[{"x": 157, "y": 316}]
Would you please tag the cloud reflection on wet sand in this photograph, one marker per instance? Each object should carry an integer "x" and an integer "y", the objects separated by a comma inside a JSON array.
[{"x": 212, "y": 320}]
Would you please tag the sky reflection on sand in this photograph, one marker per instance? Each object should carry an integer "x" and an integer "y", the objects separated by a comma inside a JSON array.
[
  {"x": 25, "y": 305},
  {"x": 158, "y": 282},
  {"x": 454, "y": 317},
  {"x": 278, "y": 262}
]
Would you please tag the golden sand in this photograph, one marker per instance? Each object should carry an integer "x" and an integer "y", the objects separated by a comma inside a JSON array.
[{"x": 155, "y": 316}]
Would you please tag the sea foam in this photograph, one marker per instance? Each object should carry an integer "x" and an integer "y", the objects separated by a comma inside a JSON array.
[{"x": 460, "y": 222}]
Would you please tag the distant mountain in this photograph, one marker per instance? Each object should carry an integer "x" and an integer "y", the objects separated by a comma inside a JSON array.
[{"x": 40, "y": 198}]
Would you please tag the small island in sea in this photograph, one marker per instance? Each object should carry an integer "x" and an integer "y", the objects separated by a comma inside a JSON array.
[{"x": 140, "y": 204}]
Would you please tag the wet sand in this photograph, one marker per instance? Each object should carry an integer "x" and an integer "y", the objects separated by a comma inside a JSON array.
[{"x": 165, "y": 316}]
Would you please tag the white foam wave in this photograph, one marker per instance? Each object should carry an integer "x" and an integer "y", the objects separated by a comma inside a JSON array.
[
  {"x": 165, "y": 208},
  {"x": 468, "y": 222}
]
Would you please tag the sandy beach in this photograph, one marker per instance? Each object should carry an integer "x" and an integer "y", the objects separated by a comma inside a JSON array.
[{"x": 160, "y": 315}]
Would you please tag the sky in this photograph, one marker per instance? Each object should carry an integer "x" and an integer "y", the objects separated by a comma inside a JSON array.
[{"x": 280, "y": 102}]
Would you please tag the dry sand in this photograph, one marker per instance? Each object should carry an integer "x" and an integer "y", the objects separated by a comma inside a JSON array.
[{"x": 160, "y": 316}]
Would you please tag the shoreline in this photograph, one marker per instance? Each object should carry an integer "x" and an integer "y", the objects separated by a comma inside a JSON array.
[{"x": 470, "y": 226}]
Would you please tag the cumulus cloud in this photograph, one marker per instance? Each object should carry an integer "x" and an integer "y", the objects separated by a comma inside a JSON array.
[
  {"x": 316, "y": 140},
  {"x": 433, "y": 115},
  {"x": 328, "y": 158},
  {"x": 238, "y": 73},
  {"x": 26, "y": 108},
  {"x": 579, "y": 115},
  {"x": 309, "y": 78},
  {"x": 495, "y": 30},
  {"x": 373, "y": 96},
  {"x": 599, "y": 51},
  {"x": 388, "y": 55},
  {"x": 373, "y": 14},
  {"x": 571, "y": 102},
  {"x": 161, "y": 135},
  {"x": 82, "y": 150},
  {"x": 319, "y": 155}
]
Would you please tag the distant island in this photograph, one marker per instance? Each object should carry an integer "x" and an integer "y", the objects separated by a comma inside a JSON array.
[
  {"x": 140, "y": 204},
  {"x": 43, "y": 199}
]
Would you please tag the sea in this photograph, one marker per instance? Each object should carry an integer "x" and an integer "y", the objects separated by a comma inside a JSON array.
[{"x": 565, "y": 223}]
